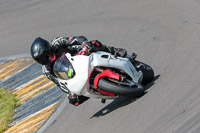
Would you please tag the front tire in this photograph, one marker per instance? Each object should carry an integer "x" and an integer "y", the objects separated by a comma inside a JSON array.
[{"x": 120, "y": 89}]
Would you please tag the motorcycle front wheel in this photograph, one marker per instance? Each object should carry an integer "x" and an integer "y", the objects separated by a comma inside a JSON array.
[{"x": 121, "y": 89}]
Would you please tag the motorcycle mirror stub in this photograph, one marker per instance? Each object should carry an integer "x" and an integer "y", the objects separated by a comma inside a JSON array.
[{"x": 68, "y": 55}]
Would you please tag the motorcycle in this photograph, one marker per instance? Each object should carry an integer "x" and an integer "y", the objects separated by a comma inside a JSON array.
[{"x": 102, "y": 75}]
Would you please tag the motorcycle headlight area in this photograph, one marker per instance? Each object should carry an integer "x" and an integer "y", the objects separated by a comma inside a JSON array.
[
  {"x": 62, "y": 75},
  {"x": 63, "y": 69}
]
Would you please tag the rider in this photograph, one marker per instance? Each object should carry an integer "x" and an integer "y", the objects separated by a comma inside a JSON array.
[{"x": 46, "y": 53}]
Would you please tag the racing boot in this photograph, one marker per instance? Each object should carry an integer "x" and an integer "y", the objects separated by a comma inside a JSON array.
[
  {"x": 132, "y": 58},
  {"x": 134, "y": 55},
  {"x": 118, "y": 52},
  {"x": 75, "y": 99}
]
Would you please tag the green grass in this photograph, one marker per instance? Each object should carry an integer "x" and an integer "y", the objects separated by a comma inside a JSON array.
[{"x": 7, "y": 103}]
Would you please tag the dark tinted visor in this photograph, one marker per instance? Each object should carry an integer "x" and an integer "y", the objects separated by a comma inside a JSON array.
[{"x": 44, "y": 58}]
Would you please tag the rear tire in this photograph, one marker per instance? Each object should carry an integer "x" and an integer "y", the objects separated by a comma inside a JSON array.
[
  {"x": 148, "y": 73},
  {"x": 120, "y": 89}
]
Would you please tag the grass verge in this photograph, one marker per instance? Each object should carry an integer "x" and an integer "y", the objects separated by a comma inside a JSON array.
[{"x": 7, "y": 104}]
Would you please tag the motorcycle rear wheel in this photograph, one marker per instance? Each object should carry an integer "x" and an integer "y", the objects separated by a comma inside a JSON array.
[{"x": 148, "y": 73}]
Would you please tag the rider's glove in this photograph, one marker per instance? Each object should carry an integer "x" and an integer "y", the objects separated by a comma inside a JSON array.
[
  {"x": 92, "y": 46},
  {"x": 87, "y": 45}
]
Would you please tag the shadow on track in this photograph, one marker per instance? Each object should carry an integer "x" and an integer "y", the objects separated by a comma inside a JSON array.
[{"x": 120, "y": 102}]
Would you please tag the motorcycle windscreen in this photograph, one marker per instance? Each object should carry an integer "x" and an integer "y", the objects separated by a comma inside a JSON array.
[{"x": 63, "y": 69}]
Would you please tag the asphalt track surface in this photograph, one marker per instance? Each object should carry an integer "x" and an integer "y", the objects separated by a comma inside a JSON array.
[{"x": 164, "y": 34}]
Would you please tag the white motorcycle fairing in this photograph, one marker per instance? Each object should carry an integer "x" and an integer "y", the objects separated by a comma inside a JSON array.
[{"x": 84, "y": 65}]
